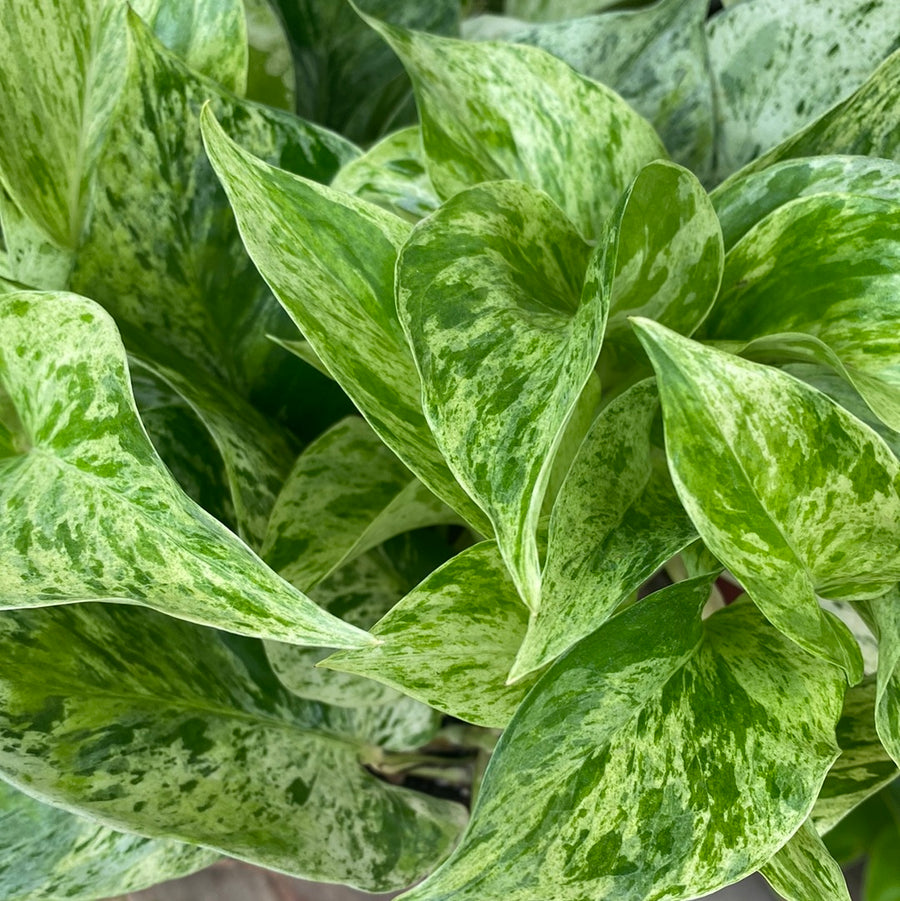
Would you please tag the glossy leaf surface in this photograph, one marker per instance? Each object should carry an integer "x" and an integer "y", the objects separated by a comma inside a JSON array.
[
  {"x": 804, "y": 869},
  {"x": 91, "y": 513},
  {"x": 620, "y": 747}
]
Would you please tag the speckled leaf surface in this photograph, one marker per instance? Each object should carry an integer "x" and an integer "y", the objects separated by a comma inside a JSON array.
[
  {"x": 346, "y": 494},
  {"x": 495, "y": 111},
  {"x": 505, "y": 332},
  {"x": 613, "y": 781},
  {"x": 451, "y": 641},
  {"x": 864, "y": 766},
  {"x": 548, "y": 10},
  {"x": 804, "y": 869},
  {"x": 331, "y": 264},
  {"x": 777, "y": 66},
  {"x": 827, "y": 266},
  {"x": 668, "y": 254},
  {"x": 209, "y": 35},
  {"x": 884, "y": 612},
  {"x": 793, "y": 494},
  {"x": 392, "y": 174},
  {"x": 50, "y": 854},
  {"x": 655, "y": 58},
  {"x": 203, "y": 745},
  {"x": 617, "y": 519},
  {"x": 866, "y": 124},
  {"x": 91, "y": 513}
]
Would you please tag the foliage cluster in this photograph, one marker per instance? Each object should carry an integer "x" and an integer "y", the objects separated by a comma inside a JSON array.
[{"x": 362, "y": 466}]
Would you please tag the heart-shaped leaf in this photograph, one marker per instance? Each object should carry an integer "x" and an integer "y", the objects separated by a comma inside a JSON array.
[
  {"x": 616, "y": 520},
  {"x": 202, "y": 744},
  {"x": 451, "y": 641},
  {"x": 793, "y": 494},
  {"x": 332, "y": 267},
  {"x": 612, "y": 773},
  {"x": 505, "y": 331},
  {"x": 51, "y": 853},
  {"x": 496, "y": 111},
  {"x": 91, "y": 513}
]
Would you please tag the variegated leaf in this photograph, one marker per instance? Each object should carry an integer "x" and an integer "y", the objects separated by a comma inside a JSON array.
[
  {"x": 791, "y": 492},
  {"x": 202, "y": 744},
  {"x": 668, "y": 261},
  {"x": 347, "y": 79},
  {"x": 331, "y": 263},
  {"x": 617, "y": 519},
  {"x": 804, "y": 869},
  {"x": 656, "y": 58},
  {"x": 495, "y": 111},
  {"x": 884, "y": 612},
  {"x": 392, "y": 174},
  {"x": 549, "y": 10},
  {"x": 48, "y": 854},
  {"x": 271, "y": 78},
  {"x": 827, "y": 266},
  {"x": 867, "y": 123},
  {"x": 209, "y": 35},
  {"x": 863, "y": 768},
  {"x": 488, "y": 292},
  {"x": 661, "y": 757},
  {"x": 451, "y": 641},
  {"x": 89, "y": 510},
  {"x": 777, "y": 66},
  {"x": 745, "y": 200},
  {"x": 346, "y": 494}
]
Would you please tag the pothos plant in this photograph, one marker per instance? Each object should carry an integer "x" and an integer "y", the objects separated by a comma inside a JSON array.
[{"x": 368, "y": 461}]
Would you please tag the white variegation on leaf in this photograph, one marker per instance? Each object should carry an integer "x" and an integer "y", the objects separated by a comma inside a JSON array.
[
  {"x": 661, "y": 757},
  {"x": 804, "y": 869},
  {"x": 494, "y": 111},
  {"x": 796, "y": 496},
  {"x": 505, "y": 328},
  {"x": 884, "y": 614},
  {"x": 90, "y": 511}
]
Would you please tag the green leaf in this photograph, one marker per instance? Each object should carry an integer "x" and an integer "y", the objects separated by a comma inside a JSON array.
[
  {"x": 346, "y": 494},
  {"x": 488, "y": 292},
  {"x": 863, "y": 768},
  {"x": 201, "y": 744},
  {"x": 793, "y": 494},
  {"x": 548, "y": 10},
  {"x": 451, "y": 641},
  {"x": 616, "y": 521},
  {"x": 777, "y": 66},
  {"x": 884, "y": 612},
  {"x": 668, "y": 260},
  {"x": 495, "y": 111},
  {"x": 209, "y": 35},
  {"x": 659, "y": 758},
  {"x": 827, "y": 266},
  {"x": 745, "y": 200},
  {"x": 332, "y": 267},
  {"x": 655, "y": 58},
  {"x": 867, "y": 123},
  {"x": 392, "y": 174},
  {"x": 804, "y": 869},
  {"x": 90, "y": 511},
  {"x": 882, "y": 875},
  {"x": 347, "y": 78},
  {"x": 50, "y": 853},
  {"x": 271, "y": 78}
]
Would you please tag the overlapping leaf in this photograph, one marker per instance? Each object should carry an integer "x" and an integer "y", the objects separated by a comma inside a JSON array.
[
  {"x": 659, "y": 758},
  {"x": 346, "y": 494},
  {"x": 885, "y": 614},
  {"x": 793, "y": 494},
  {"x": 616, "y": 520},
  {"x": 804, "y": 869},
  {"x": 496, "y": 111},
  {"x": 89, "y": 510},
  {"x": 505, "y": 331},
  {"x": 202, "y": 744},
  {"x": 777, "y": 66},
  {"x": 451, "y": 641},
  {"x": 825, "y": 266},
  {"x": 656, "y": 58},
  {"x": 331, "y": 263},
  {"x": 48, "y": 853}
]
